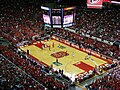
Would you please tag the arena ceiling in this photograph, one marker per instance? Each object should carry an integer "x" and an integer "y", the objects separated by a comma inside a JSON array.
[{"x": 39, "y": 2}]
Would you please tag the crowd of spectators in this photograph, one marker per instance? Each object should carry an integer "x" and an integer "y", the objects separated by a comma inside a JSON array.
[
  {"x": 19, "y": 24},
  {"x": 104, "y": 24},
  {"x": 111, "y": 81},
  {"x": 12, "y": 77}
]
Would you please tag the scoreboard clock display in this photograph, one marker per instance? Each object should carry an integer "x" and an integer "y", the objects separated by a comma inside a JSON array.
[{"x": 58, "y": 17}]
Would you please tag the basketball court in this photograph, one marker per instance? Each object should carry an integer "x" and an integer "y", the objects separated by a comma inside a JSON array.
[{"x": 70, "y": 59}]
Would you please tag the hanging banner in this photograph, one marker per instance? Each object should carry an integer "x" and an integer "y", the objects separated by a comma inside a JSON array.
[{"x": 94, "y": 3}]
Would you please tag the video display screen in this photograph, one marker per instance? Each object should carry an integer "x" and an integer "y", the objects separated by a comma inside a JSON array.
[
  {"x": 46, "y": 19},
  {"x": 56, "y": 19},
  {"x": 68, "y": 19}
]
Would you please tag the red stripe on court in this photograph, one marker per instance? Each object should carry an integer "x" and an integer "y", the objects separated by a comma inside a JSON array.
[
  {"x": 38, "y": 45},
  {"x": 84, "y": 66}
]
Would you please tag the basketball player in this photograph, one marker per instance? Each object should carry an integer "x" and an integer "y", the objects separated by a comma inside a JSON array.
[
  {"x": 42, "y": 47},
  {"x": 53, "y": 44},
  {"x": 73, "y": 54},
  {"x": 56, "y": 60},
  {"x": 49, "y": 47},
  {"x": 88, "y": 56},
  {"x": 59, "y": 45},
  {"x": 28, "y": 52}
]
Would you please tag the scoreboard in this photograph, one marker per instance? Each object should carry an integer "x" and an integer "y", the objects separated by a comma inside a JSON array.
[
  {"x": 46, "y": 15},
  {"x": 58, "y": 17},
  {"x": 68, "y": 16}
]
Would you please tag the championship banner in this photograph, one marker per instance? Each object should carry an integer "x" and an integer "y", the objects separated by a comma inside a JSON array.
[{"x": 94, "y": 3}]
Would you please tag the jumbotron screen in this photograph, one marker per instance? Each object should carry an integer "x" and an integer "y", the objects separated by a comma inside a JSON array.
[
  {"x": 46, "y": 15},
  {"x": 46, "y": 19},
  {"x": 68, "y": 19},
  {"x": 69, "y": 16},
  {"x": 58, "y": 18}
]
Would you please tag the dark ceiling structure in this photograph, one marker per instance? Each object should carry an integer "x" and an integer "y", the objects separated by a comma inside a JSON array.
[
  {"x": 80, "y": 3},
  {"x": 70, "y": 2}
]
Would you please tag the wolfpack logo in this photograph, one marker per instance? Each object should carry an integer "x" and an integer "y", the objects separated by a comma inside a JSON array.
[{"x": 94, "y": 1}]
